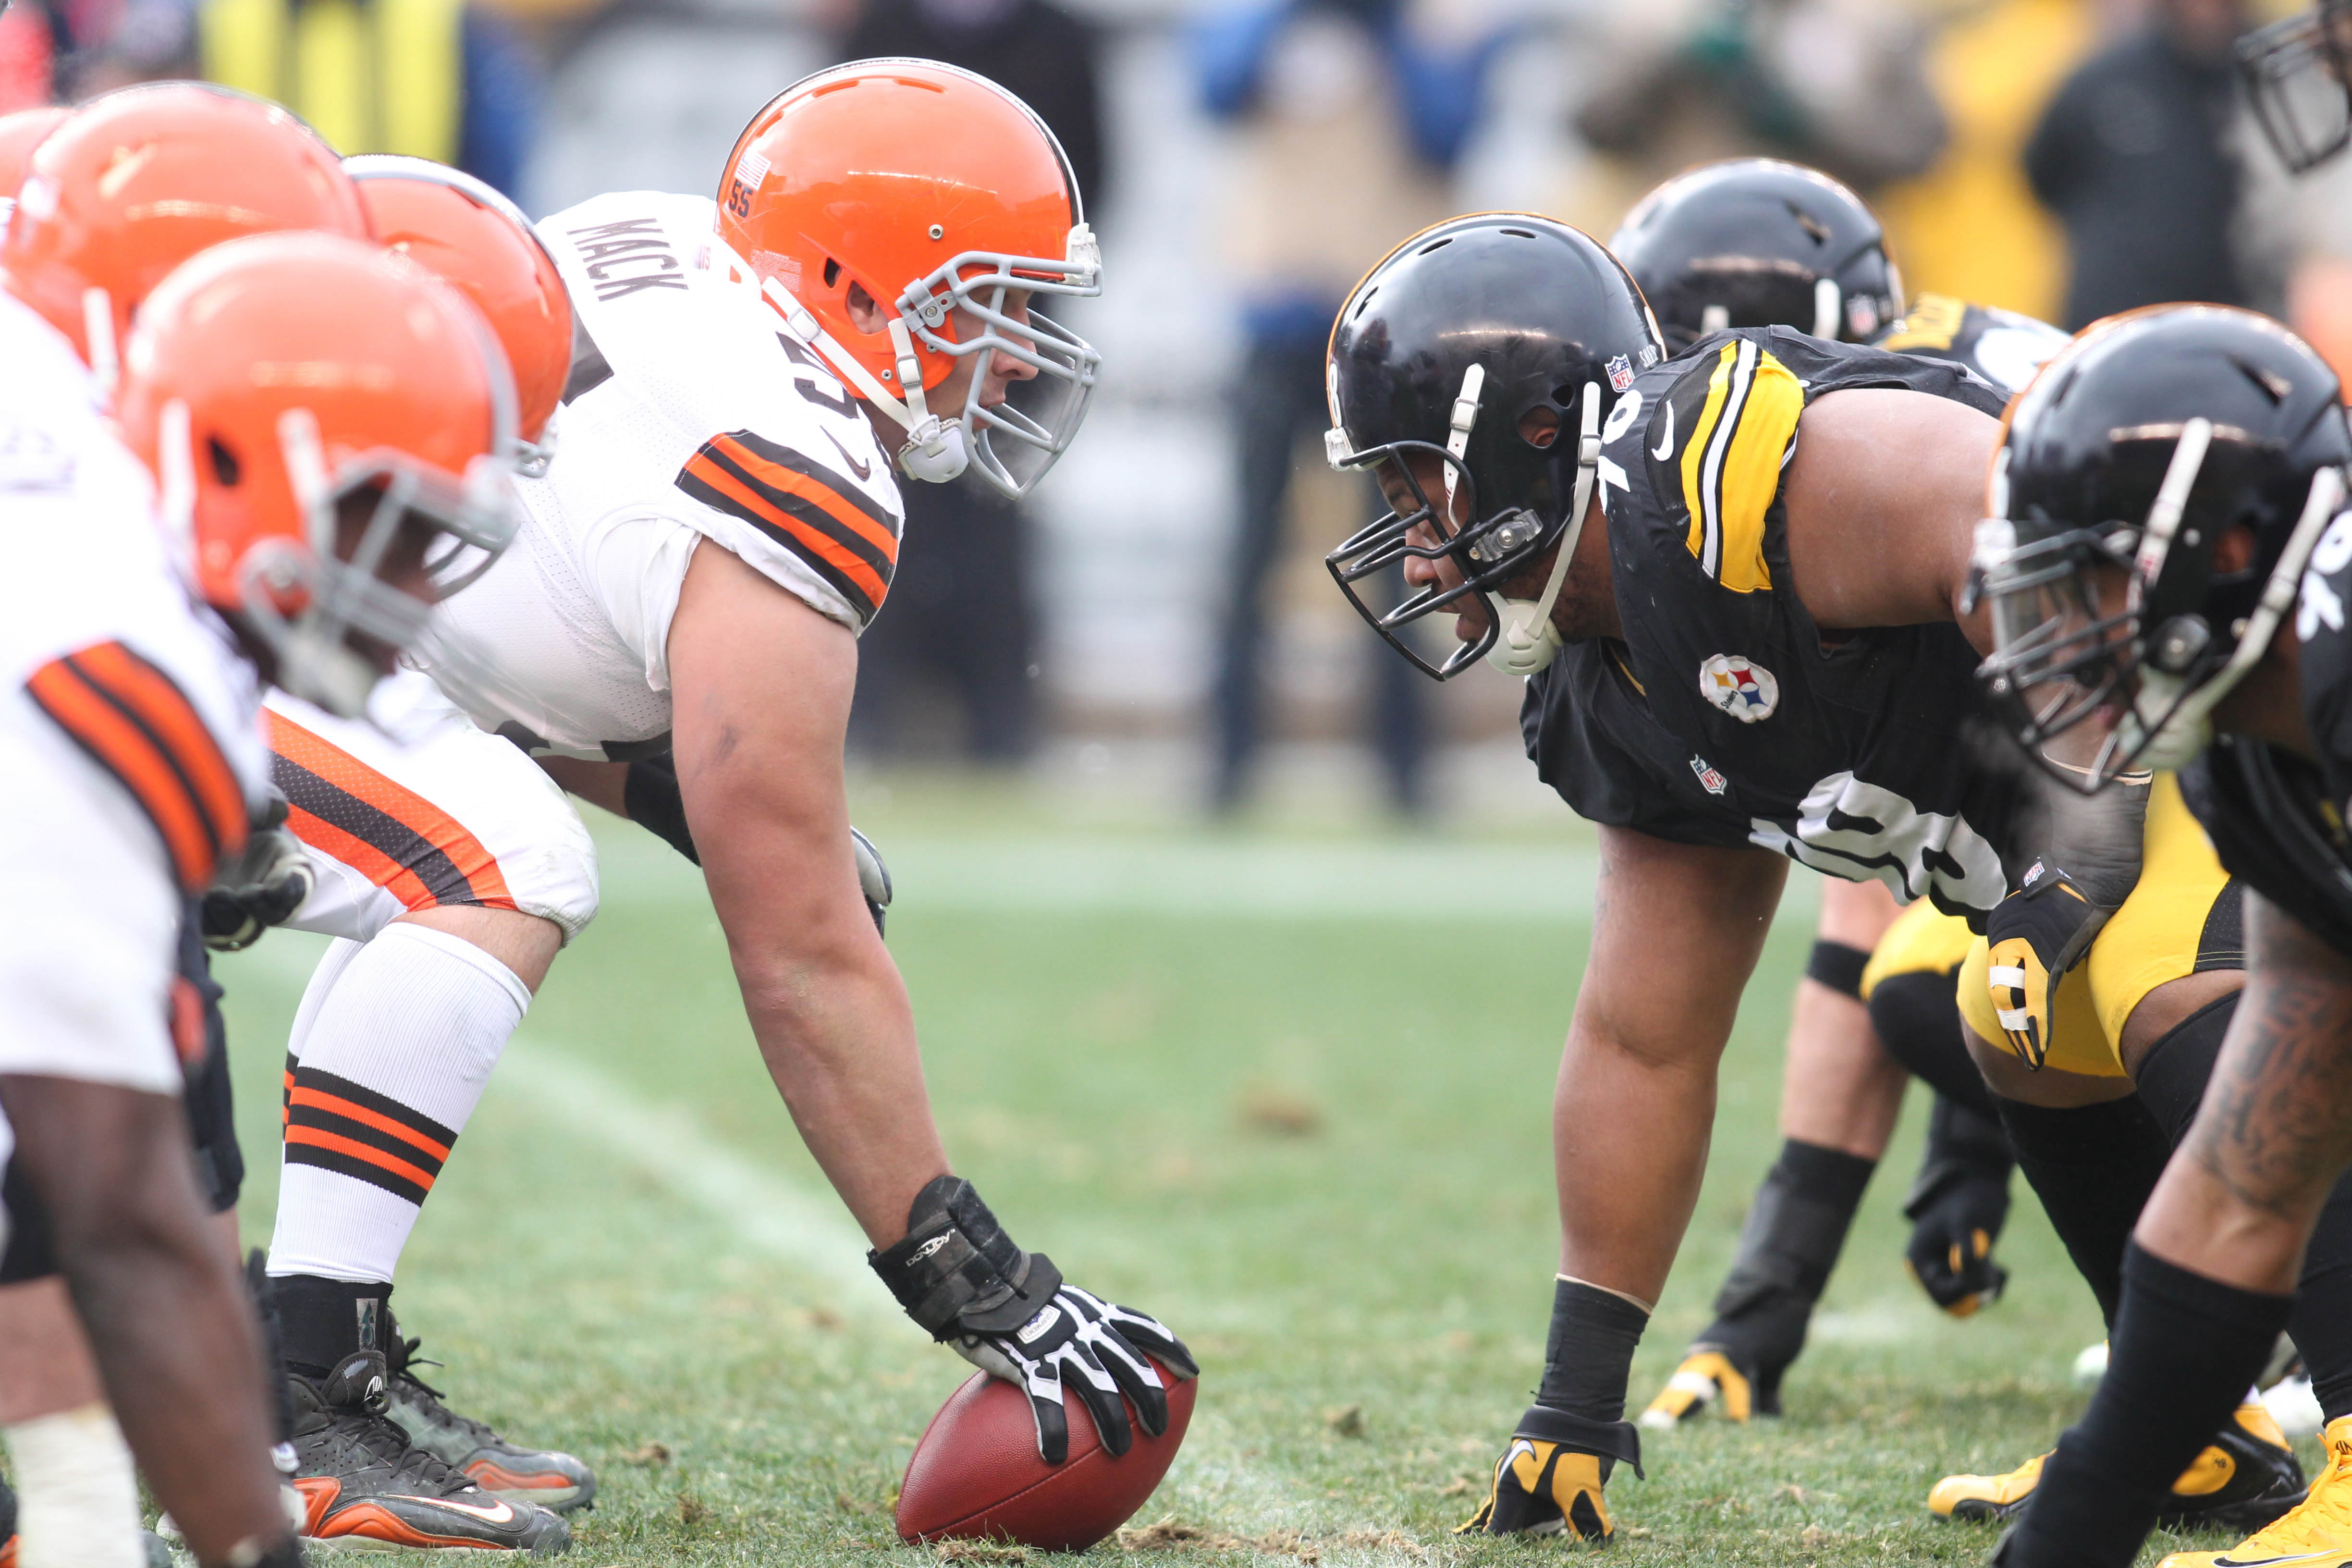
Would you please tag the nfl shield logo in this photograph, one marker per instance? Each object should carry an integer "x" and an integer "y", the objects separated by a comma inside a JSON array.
[
  {"x": 1713, "y": 781},
  {"x": 1747, "y": 691},
  {"x": 1620, "y": 373}
]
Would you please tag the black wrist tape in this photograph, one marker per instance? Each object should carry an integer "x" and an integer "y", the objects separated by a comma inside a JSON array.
[
  {"x": 650, "y": 794},
  {"x": 1838, "y": 966},
  {"x": 1961, "y": 1146},
  {"x": 956, "y": 1272},
  {"x": 1607, "y": 1440},
  {"x": 1797, "y": 1227},
  {"x": 1589, "y": 1352}
]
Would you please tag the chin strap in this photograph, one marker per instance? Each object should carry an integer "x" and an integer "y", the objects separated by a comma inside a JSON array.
[
  {"x": 934, "y": 452},
  {"x": 1527, "y": 640},
  {"x": 2182, "y": 726}
]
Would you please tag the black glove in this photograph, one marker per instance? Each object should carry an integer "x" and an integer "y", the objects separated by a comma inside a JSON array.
[
  {"x": 2033, "y": 937},
  {"x": 1008, "y": 1312},
  {"x": 262, "y": 888},
  {"x": 1957, "y": 1209}
]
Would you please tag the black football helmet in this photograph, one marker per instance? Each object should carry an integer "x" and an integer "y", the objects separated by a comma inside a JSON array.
[
  {"x": 2298, "y": 72},
  {"x": 1494, "y": 346},
  {"x": 2122, "y": 474},
  {"x": 1755, "y": 242}
]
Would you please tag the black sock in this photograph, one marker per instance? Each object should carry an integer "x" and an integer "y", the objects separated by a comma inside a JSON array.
[
  {"x": 1795, "y": 1229},
  {"x": 2183, "y": 1349},
  {"x": 320, "y": 1322},
  {"x": 1589, "y": 1354},
  {"x": 2092, "y": 1168},
  {"x": 1917, "y": 1020}
]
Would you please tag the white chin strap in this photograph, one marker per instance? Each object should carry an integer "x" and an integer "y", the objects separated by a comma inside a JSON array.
[
  {"x": 1527, "y": 640},
  {"x": 935, "y": 450},
  {"x": 2180, "y": 732}
]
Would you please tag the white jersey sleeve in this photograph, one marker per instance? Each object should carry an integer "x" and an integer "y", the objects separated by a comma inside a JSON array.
[{"x": 758, "y": 447}]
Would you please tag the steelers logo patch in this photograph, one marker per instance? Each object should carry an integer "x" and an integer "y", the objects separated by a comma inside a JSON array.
[{"x": 1747, "y": 691}]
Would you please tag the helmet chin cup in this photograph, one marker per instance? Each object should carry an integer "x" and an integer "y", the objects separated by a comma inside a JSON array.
[
  {"x": 1525, "y": 641},
  {"x": 935, "y": 451},
  {"x": 315, "y": 666}
]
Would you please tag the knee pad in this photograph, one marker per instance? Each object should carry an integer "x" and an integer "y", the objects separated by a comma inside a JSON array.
[
  {"x": 2171, "y": 1076},
  {"x": 1917, "y": 1020}
]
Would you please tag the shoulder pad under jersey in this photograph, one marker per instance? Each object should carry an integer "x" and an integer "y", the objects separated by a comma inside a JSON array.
[{"x": 778, "y": 462}]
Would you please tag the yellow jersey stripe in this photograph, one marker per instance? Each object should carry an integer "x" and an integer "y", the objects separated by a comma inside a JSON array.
[
  {"x": 1702, "y": 538},
  {"x": 1754, "y": 444}
]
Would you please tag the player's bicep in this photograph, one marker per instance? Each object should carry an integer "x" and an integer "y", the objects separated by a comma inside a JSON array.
[
  {"x": 761, "y": 688},
  {"x": 1677, "y": 931},
  {"x": 1883, "y": 494}
]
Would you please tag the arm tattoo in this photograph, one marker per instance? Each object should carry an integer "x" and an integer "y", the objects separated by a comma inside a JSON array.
[{"x": 2277, "y": 1125}]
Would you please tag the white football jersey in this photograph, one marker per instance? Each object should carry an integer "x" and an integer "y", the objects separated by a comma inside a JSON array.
[
  {"x": 690, "y": 417},
  {"x": 131, "y": 755}
]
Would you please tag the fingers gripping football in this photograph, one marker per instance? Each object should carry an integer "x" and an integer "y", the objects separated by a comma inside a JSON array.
[
  {"x": 1080, "y": 1344},
  {"x": 1008, "y": 1312}
]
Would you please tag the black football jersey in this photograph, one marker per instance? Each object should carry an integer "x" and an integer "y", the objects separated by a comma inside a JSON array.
[
  {"x": 1723, "y": 719},
  {"x": 2275, "y": 817},
  {"x": 2000, "y": 347}
]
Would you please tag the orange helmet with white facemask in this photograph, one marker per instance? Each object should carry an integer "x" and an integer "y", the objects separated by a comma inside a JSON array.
[
  {"x": 135, "y": 183},
  {"x": 948, "y": 203},
  {"x": 329, "y": 428},
  {"x": 479, "y": 243}
]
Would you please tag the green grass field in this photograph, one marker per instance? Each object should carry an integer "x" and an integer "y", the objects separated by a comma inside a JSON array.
[{"x": 1287, "y": 1090}]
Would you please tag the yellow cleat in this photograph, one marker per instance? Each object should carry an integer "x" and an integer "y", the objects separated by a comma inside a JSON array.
[
  {"x": 2245, "y": 1479},
  {"x": 1705, "y": 1377},
  {"x": 2316, "y": 1531}
]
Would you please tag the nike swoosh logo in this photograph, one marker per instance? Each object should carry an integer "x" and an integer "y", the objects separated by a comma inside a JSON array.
[
  {"x": 1666, "y": 447},
  {"x": 497, "y": 1513},
  {"x": 862, "y": 470},
  {"x": 2313, "y": 1558}
]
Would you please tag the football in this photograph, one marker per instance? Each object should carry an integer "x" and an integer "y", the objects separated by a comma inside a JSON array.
[{"x": 976, "y": 1474}]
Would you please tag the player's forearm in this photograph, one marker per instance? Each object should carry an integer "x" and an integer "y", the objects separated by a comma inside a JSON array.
[
  {"x": 837, "y": 1034},
  {"x": 169, "y": 1322},
  {"x": 2274, "y": 1132}
]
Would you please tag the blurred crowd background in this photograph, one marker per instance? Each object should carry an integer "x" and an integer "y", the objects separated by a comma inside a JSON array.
[{"x": 1157, "y": 618}]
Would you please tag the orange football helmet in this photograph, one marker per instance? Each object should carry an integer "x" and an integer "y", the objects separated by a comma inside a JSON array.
[
  {"x": 20, "y": 134},
  {"x": 136, "y": 181},
  {"x": 474, "y": 239},
  {"x": 939, "y": 194},
  {"x": 272, "y": 379}
]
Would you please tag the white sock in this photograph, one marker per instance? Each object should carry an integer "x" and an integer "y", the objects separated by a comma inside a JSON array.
[
  {"x": 394, "y": 1047},
  {"x": 77, "y": 1492}
]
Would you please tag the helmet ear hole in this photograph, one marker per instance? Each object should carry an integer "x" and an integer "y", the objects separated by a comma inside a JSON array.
[
  {"x": 1540, "y": 426},
  {"x": 225, "y": 467},
  {"x": 831, "y": 272}
]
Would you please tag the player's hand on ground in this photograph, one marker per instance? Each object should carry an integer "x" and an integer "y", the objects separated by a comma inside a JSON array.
[
  {"x": 1957, "y": 1209},
  {"x": 261, "y": 888},
  {"x": 1081, "y": 1345},
  {"x": 1950, "y": 1251},
  {"x": 2033, "y": 937},
  {"x": 1009, "y": 1312}
]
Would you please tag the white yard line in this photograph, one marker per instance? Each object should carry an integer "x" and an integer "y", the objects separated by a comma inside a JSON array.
[{"x": 670, "y": 1145}]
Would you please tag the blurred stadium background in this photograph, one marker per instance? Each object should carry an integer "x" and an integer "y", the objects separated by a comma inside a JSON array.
[{"x": 1245, "y": 159}]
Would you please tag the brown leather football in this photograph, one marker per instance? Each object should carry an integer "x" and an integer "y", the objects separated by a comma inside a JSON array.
[{"x": 976, "y": 1475}]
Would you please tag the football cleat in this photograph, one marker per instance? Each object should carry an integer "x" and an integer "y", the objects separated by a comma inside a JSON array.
[
  {"x": 502, "y": 1469},
  {"x": 1707, "y": 1377},
  {"x": 2246, "y": 1478},
  {"x": 367, "y": 1488},
  {"x": 1542, "y": 1488},
  {"x": 2315, "y": 1532}
]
